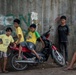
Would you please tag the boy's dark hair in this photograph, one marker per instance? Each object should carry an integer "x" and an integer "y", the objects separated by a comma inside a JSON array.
[
  {"x": 8, "y": 29},
  {"x": 33, "y": 25},
  {"x": 17, "y": 21},
  {"x": 63, "y": 17}
]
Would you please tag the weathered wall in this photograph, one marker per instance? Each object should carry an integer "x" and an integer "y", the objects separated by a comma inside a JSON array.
[{"x": 48, "y": 13}]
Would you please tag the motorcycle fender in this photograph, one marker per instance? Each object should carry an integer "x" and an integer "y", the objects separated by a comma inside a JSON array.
[{"x": 54, "y": 48}]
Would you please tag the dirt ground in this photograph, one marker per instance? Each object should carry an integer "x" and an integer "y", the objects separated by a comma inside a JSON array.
[{"x": 43, "y": 69}]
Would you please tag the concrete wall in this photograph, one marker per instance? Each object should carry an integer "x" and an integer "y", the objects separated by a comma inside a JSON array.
[{"x": 48, "y": 13}]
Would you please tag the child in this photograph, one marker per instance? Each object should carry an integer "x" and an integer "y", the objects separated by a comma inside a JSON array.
[
  {"x": 31, "y": 40},
  {"x": 6, "y": 40},
  {"x": 20, "y": 40},
  {"x": 63, "y": 32},
  {"x": 70, "y": 67}
]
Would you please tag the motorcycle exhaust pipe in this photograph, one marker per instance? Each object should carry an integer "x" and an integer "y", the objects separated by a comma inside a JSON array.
[{"x": 25, "y": 61}]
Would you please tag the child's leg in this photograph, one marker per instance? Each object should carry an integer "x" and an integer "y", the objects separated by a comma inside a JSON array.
[
  {"x": 61, "y": 48},
  {"x": 22, "y": 44},
  {"x": 72, "y": 62},
  {"x": 35, "y": 54},
  {"x": 66, "y": 52},
  {"x": 0, "y": 61},
  {"x": 31, "y": 47},
  {"x": 5, "y": 62},
  {"x": 20, "y": 49},
  {"x": 0, "y": 65}
]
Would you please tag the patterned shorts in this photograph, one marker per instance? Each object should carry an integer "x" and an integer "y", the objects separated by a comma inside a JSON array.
[{"x": 3, "y": 54}]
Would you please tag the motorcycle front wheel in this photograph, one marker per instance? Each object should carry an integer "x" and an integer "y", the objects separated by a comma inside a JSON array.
[
  {"x": 59, "y": 59},
  {"x": 16, "y": 65}
]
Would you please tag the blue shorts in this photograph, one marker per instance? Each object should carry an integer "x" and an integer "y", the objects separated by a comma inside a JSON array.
[
  {"x": 29, "y": 45},
  {"x": 23, "y": 44}
]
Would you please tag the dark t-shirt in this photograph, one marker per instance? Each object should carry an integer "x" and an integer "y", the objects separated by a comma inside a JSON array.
[{"x": 63, "y": 31}]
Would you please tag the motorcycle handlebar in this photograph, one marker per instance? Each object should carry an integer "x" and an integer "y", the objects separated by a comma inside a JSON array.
[
  {"x": 47, "y": 31},
  {"x": 45, "y": 34}
]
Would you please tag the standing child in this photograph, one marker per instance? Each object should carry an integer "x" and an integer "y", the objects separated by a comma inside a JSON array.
[
  {"x": 6, "y": 40},
  {"x": 63, "y": 32}
]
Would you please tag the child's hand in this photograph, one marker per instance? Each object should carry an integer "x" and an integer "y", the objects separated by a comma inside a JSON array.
[
  {"x": 1, "y": 42},
  {"x": 43, "y": 45},
  {"x": 14, "y": 45}
]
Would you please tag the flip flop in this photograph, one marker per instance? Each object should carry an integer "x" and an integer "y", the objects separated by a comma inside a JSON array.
[{"x": 20, "y": 58}]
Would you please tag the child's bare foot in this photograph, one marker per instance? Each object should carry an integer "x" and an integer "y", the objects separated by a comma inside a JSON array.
[
  {"x": 67, "y": 63},
  {"x": 5, "y": 71},
  {"x": 40, "y": 58},
  {"x": 69, "y": 68},
  {"x": 0, "y": 71}
]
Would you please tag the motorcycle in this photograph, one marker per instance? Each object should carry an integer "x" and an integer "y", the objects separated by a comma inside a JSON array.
[{"x": 29, "y": 58}]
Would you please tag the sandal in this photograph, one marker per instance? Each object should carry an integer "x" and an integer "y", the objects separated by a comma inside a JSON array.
[{"x": 19, "y": 58}]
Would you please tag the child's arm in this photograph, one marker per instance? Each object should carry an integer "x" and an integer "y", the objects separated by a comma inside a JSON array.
[
  {"x": 1, "y": 41},
  {"x": 1, "y": 36},
  {"x": 67, "y": 30},
  {"x": 12, "y": 43},
  {"x": 42, "y": 42},
  {"x": 38, "y": 36},
  {"x": 19, "y": 38}
]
